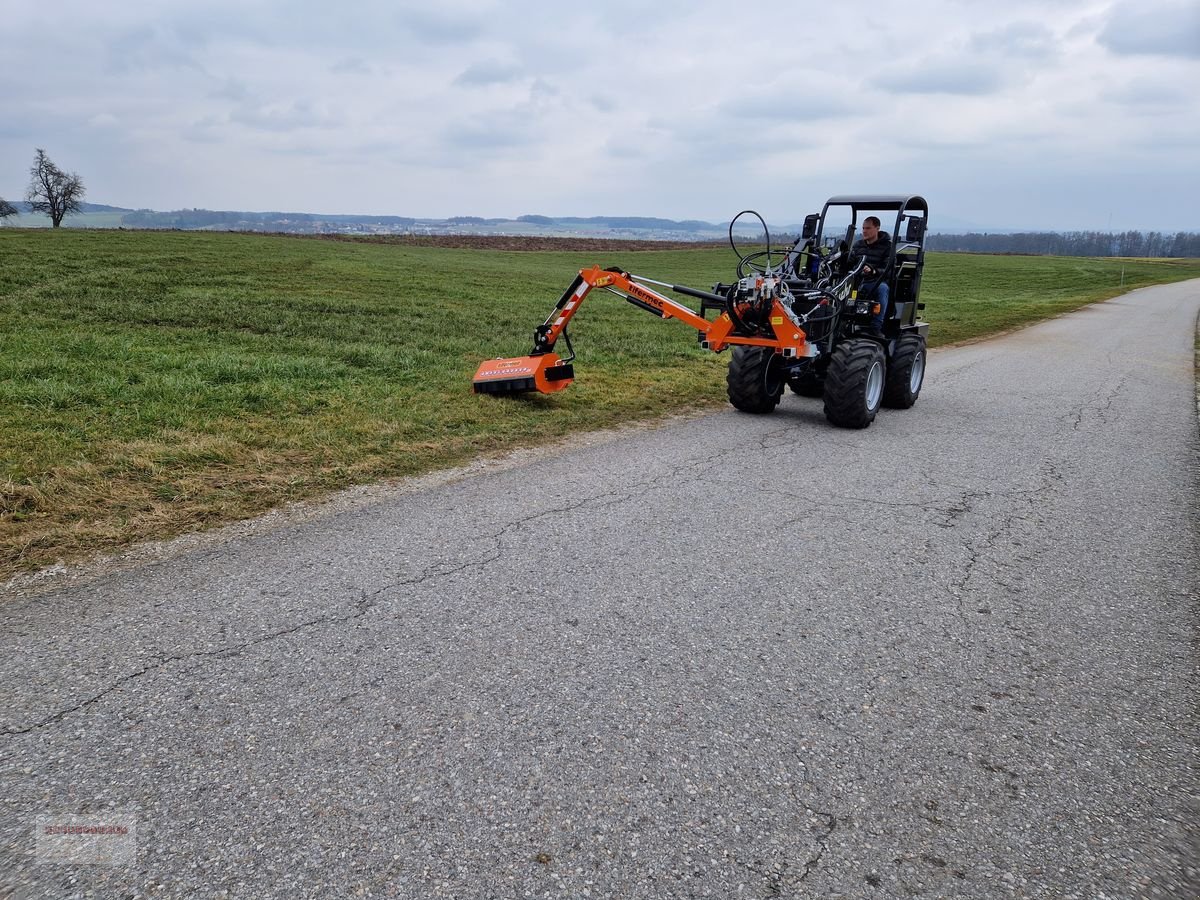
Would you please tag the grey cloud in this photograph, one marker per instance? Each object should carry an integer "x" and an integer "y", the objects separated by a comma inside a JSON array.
[
  {"x": 702, "y": 140},
  {"x": 375, "y": 27},
  {"x": 490, "y": 133},
  {"x": 486, "y": 73},
  {"x": 1159, "y": 29},
  {"x": 300, "y": 151},
  {"x": 924, "y": 145},
  {"x": 624, "y": 150},
  {"x": 1024, "y": 40},
  {"x": 351, "y": 66},
  {"x": 12, "y": 130},
  {"x": 148, "y": 49},
  {"x": 18, "y": 120},
  {"x": 789, "y": 107},
  {"x": 1150, "y": 96},
  {"x": 964, "y": 78},
  {"x": 209, "y": 130},
  {"x": 231, "y": 89},
  {"x": 1172, "y": 151},
  {"x": 541, "y": 90},
  {"x": 440, "y": 26},
  {"x": 299, "y": 114},
  {"x": 988, "y": 61},
  {"x": 218, "y": 22}
]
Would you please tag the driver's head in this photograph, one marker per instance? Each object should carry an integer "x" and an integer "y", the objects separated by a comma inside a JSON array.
[{"x": 870, "y": 228}]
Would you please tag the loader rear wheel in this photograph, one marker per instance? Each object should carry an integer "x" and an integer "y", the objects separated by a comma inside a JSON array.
[
  {"x": 906, "y": 373},
  {"x": 854, "y": 384},
  {"x": 755, "y": 379}
]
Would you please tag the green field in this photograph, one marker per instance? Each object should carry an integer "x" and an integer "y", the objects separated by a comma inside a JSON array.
[{"x": 152, "y": 383}]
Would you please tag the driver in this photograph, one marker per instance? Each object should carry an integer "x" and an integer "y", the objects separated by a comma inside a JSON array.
[{"x": 876, "y": 246}]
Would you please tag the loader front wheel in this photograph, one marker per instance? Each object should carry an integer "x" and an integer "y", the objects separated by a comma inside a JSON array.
[
  {"x": 854, "y": 384},
  {"x": 906, "y": 373},
  {"x": 755, "y": 380}
]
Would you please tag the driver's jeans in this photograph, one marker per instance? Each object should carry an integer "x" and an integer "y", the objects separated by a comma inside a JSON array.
[{"x": 877, "y": 291}]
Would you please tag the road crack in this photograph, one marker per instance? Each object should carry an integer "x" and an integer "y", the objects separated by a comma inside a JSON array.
[
  {"x": 367, "y": 600},
  {"x": 162, "y": 662},
  {"x": 1100, "y": 403}
]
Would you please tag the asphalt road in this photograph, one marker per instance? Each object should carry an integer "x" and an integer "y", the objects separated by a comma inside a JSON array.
[{"x": 952, "y": 655}]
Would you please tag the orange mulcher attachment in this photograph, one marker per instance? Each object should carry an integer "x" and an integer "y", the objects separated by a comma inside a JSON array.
[{"x": 544, "y": 374}]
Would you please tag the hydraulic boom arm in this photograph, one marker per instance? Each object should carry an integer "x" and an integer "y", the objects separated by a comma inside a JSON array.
[{"x": 760, "y": 317}]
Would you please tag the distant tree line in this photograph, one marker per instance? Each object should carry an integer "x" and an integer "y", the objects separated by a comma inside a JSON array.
[{"x": 1073, "y": 243}]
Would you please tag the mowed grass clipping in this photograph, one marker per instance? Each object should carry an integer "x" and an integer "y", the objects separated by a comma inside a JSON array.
[{"x": 154, "y": 383}]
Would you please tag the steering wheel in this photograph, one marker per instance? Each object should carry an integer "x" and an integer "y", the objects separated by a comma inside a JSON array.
[{"x": 756, "y": 263}]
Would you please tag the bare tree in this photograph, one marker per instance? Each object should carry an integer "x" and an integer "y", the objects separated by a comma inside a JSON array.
[
  {"x": 7, "y": 209},
  {"x": 51, "y": 190}
]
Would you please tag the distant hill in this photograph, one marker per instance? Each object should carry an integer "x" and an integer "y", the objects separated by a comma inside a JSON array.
[
  {"x": 100, "y": 207},
  {"x": 96, "y": 215},
  {"x": 22, "y": 207}
]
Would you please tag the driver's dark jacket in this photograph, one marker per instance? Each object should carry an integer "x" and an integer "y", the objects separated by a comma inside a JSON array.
[{"x": 877, "y": 254}]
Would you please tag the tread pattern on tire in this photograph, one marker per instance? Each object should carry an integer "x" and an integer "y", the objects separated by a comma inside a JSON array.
[
  {"x": 896, "y": 393},
  {"x": 846, "y": 383},
  {"x": 747, "y": 382}
]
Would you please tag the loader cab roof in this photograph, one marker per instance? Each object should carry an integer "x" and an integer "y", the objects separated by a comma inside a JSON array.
[
  {"x": 881, "y": 202},
  {"x": 905, "y": 217}
]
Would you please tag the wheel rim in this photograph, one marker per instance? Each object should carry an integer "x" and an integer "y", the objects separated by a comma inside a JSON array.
[
  {"x": 918, "y": 373},
  {"x": 874, "y": 385}
]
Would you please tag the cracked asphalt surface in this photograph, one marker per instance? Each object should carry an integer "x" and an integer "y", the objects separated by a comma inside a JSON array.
[{"x": 952, "y": 655}]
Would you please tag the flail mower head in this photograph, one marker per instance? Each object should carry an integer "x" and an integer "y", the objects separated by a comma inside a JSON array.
[{"x": 544, "y": 373}]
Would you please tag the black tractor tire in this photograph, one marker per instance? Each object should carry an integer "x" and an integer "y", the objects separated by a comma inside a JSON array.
[
  {"x": 755, "y": 379},
  {"x": 906, "y": 373},
  {"x": 808, "y": 385},
  {"x": 854, "y": 383}
]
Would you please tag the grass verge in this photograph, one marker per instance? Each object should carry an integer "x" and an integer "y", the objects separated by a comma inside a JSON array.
[{"x": 156, "y": 383}]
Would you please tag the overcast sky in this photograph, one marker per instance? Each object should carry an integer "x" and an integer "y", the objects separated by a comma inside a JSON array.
[{"x": 1028, "y": 114}]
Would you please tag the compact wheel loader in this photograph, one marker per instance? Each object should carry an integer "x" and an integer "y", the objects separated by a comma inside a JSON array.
[{"x": 793, "y": 318}]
